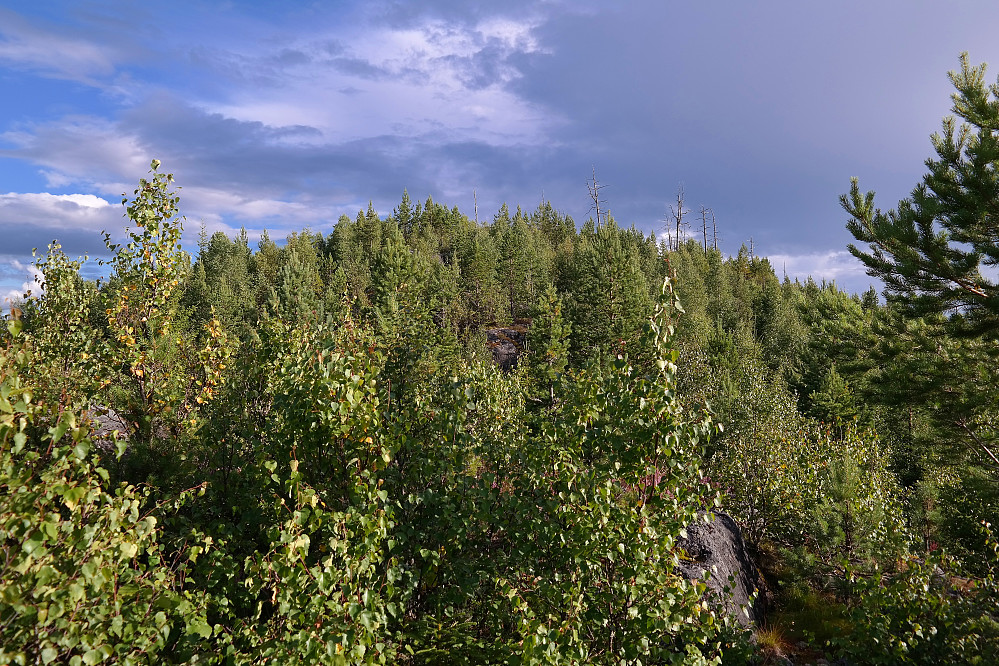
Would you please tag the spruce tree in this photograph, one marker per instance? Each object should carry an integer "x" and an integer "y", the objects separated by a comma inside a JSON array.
[
  {"x": 548, "y": 343},
  {"x": 264, "y": 268},
  {"x": 479, "y": 263},
  {"x": 403, "y": 215},
  {"x": 833, "y": 403},
  {"x": 294, "y": 298},
  {"x": 349, "y": 253},
  {"x": 610, "y": 297},
  {"x": 223, "y": 273},
  {"x": 520, "y": 272},
  {"x": 395, "y": 270}
]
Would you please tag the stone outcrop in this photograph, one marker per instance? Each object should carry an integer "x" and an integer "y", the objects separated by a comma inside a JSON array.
[
  {"x": 105, "y": 422},
  {"x": 717, "y": 546},
  {"x": 507, "y": 344}
]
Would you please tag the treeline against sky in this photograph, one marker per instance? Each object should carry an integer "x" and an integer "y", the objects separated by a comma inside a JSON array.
[{"x": 304, "y": 452}]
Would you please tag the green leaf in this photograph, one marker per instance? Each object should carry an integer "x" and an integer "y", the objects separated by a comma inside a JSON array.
[
  {"x": 33, "y": 542},
  {"x": 72, "y": 496},
  {"x": 81, "y": 450},
  {"x": 66, "y": 421},
  {"x": 199, "y": 627}
]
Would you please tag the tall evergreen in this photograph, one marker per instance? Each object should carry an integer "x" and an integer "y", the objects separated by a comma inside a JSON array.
[
  {"x": 931, "y": 250},
  {"x": 351, "y": 257},
  {"x": 934, "y": 253},
  {"x": 404, "y": 216},
  {"x": 480, "y": 283},
  {"x": 395, "y": 270},
  {"x": 548, "y": 343},
  {"x": 610, "y": 296},
  {"x": 264, "y": 268},
  {"x": 222, "y": 274},
  {"x": 521, "y": 271},
  {"x": 295, "y": 297}
]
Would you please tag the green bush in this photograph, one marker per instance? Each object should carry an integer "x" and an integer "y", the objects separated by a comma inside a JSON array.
[
  {"x": 927, "y": 612},
  {"x": 85, "y": 576}
]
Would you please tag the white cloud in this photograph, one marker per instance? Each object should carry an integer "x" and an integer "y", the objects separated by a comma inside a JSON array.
[
  {"x": 46, "y": 199},
  {"x": 10, "y": 269},
  {"x": 666, "y": 233},
  {"x": 293, "y": 130},
  {"x": 52, "y": 53},
  {"x": 105, "y": 156},
  {"x": 400, "y": 81},
  {"x": 211, "y": 204},
  {"x": 838, "y": 265},
  {"x": 79, "y": 150},
  {"x": 41, "y": 210},
  {"x": 33, "y": 219}
]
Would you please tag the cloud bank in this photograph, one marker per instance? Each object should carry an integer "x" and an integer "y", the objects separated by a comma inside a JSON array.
[{"x": 284, "y": 116}]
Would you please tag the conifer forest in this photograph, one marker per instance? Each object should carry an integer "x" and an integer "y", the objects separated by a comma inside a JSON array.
[{"x": 303, "y": 451}]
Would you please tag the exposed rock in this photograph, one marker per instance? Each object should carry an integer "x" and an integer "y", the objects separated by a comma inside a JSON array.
[
  {"x": 717, "y": 546},
  {"x": 507, "y": 344},
  {"x": 105, "y": 423}
]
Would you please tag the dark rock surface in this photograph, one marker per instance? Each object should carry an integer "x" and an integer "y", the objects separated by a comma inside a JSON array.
[
  {"x": 717, "y": 546},
  {"x": 507, "y": 344},
  {"x": 105, "y": 422}
]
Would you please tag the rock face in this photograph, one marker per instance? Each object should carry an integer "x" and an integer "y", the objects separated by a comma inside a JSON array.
[
  {"x": 718, "y": 547},
  {"x": 105, "y": 422},
  {"x": 507, "y": 344}
]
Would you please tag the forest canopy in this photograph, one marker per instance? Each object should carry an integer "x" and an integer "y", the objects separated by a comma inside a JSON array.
[{"x": 304, "y": 452}]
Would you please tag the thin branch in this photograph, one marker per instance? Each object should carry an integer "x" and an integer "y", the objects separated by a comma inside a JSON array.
[
  {"x": 594, "y": 189},
  {"x": 978, "y": 441}
]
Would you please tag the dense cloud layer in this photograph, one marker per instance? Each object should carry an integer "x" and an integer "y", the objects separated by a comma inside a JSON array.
[{"x": 282, "y": 118}]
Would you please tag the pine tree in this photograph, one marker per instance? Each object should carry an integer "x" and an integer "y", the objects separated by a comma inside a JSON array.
[
  {"x": 520, "y": 270},
  {"x": 395, "y": 270},
  {"x": 349, "y": 254},
  {"x": 548, "y": 342},
  {"x": 931, "y": 250},
  {"x": 403, "y": 216},
  {"x": 222, "y": 275},
  {"x": 479, "y": 263},
  {"x": 833, "y": 403},
  {"x": 295, "y": 298},
  {"x": 554, "y": 228},
  {"x": 934, "y": 253},
  {"x": 610, "y": 297}
]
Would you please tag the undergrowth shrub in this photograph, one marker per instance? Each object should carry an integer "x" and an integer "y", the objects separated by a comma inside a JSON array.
[{"x": 926, "y": 612}]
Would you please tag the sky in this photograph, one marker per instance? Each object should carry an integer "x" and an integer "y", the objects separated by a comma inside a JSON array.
[{"x": 282, "y": 116}]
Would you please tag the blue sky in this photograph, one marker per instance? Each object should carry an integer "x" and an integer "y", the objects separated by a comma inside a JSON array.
[{"x": 286, "y": 115}]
